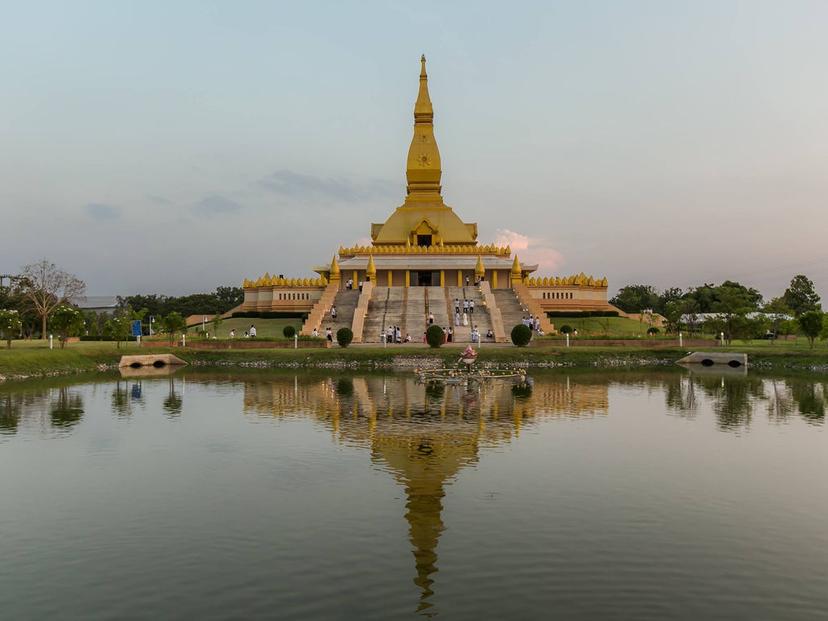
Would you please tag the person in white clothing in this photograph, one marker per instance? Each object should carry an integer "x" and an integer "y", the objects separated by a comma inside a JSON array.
[{"x": 465, "y": 319}]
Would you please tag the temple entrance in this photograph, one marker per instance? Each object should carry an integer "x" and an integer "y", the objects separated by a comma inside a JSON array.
[
  {"x": 425, "y": 279},
  {"x": 423, "y": 240}
]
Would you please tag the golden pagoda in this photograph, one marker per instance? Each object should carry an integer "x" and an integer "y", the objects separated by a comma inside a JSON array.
[{"x": 419, "y": 260}]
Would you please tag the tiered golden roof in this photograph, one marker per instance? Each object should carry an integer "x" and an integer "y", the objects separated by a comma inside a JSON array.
[
  {"x": 491, "y": 249},
  {"x": 576, "y": 280},
  {"x": 272, "y": 281}
]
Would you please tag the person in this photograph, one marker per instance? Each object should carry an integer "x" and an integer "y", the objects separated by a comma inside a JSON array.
[
  {"x": 449, "y": 334},
  {"x": 489, "y": 334},
  {"x": 465, "y": 305},
  {"x": 315, "y": 333},
  {"x": 360, "y": 286},
  {"x": 474, "y": 335},
  {"x": 456, "y": 305},
  {"x": 233, "y": 333},
  {"x": 471, "y": 307},
  {"x": 431, "y": 319},
  {"x": 246, "y": 334},
  {"x": 457, "y": 318},
  {"x": 397, "y": 335},
  {"x": 329, "y": 334},
  {"x": 467, "y": 281},
  {"x": 252, "y": 331},
  {"x": 333, "y": 312},
  {"x": 389, "y": 335},
  {"x": 407, "y": 338},
  {"x": 465, "y": 319}
]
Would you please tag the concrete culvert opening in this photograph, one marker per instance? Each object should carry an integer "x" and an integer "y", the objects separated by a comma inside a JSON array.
[
  {"x": 159, "y": 363},
  {"x": 135, "y": 365},
  {"x": 707, "y": 362},
  {"x": 734, "y": 363}
]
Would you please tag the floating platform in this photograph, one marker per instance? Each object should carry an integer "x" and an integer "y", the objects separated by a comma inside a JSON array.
[
  {"x": 156, "y": 361},
  {"x": 715, "y": 358}
]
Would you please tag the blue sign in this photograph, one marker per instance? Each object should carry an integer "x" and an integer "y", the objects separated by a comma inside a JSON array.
[{"x": 136, "y": 327}]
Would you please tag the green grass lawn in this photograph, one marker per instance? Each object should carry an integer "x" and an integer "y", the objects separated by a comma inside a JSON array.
[
  {"x": 602, "y": 326},
  {"x": 265, "y": 328}
]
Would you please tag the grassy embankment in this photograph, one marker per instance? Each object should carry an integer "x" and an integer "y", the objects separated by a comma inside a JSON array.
[{"x": 34, "y": 359}]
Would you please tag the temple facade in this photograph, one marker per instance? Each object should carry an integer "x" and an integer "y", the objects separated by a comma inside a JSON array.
[{"x": 420, "y": 260}]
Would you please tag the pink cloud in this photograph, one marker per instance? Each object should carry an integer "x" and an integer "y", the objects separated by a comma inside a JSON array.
[{"x": 531, "y": 250}]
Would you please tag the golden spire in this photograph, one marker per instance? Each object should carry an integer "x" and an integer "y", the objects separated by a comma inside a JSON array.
[
  {"x": 479, "y": 270},
  {"x": 516, "y": 266},
  {"x": 371, "y": 270},
  {"x": 334, "y": 269},
  {"x": 423, "y": 170}
]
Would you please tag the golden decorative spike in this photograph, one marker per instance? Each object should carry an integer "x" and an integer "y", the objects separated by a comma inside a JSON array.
[
  {"x": 371, "y": 270},
  {"x": 479, "y": 270}
]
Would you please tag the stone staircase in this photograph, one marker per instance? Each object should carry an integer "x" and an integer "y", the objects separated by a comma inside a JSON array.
[
  {"x": 437, "y": 306},
  {"x": 375, "y": 319},
  {"x": 395, "y": 308},
  {"x": 345, "y": 303},
  {"x": 511, "y": 309},
  {"x": 415, "y": 314},
  {"x": 480, "y": 316}
]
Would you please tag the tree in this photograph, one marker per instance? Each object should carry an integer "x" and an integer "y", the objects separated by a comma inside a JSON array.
[
  {"x": 810, "y": 322},
  {"x": 47, "y": 287},
  {"x": 777, "y": 311},
  {"x": 217, "y": 320},
  {"x": 229, "y": 297},
  {"x": 801, "y": 296},
  {"x": 172, "y": 324},
  {"x": 288, "y": 332},
  {"x": 733, "y": 303},
  {"x": 119, "y": 328},
  {"x": 66, "y": 321},
  {"x": 635, "y": 298},
  {"x": 10, "y": 325}
]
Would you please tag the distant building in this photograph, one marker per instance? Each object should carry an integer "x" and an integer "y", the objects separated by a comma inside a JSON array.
[{"x": 96, "y": 303}]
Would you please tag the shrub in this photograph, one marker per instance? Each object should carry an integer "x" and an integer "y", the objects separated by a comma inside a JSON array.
[
  {"x": 10, "y": 325},
  {"x": 565, "y": 329},
  {"x": 66, "y": 321},
  {"x": 289, "y": 332},
  {"x": 521, "y": 335},
  {"x": 434, "y": 335},
  {"x": 652, "y": 330},
  {"x": 581, "y": 314},
  {"x": 344, "y": 336}
]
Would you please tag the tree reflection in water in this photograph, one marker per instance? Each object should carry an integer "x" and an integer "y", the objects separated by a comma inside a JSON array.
[{"x": 66, "y": 410}]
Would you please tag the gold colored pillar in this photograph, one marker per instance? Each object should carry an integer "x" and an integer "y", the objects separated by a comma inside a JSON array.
[
  {"x": 390, "y": 278},
  {"x": 442, "y": 278},
  {"x": 459, "y": 278},
  {"x": 494, "y": 279},
  {"x": 356, "y": 278},
  {"x": 407, "y": 278}
]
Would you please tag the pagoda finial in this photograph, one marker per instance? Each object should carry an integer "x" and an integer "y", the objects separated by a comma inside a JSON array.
[
  {"x": 371, "y": 270},
  {"x": 423, "y": 168}
]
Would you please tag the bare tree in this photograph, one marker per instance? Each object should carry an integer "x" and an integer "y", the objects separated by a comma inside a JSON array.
[{"x": 46, "y": 287}]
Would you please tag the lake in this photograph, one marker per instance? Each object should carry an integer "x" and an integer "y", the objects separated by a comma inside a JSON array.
[{"x": 311, "y": 495}]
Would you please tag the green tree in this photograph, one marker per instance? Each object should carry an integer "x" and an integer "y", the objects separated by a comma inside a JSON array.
[
  {"x": 344, "y": 336},
  {"x": 635, "y": 298},
  {"x": 801, "y": 296},
  {"x": 66, "y": 321},
  {"x": 172, "y": 324},
  {"x": 810, "y": 322},
  {"x": 217, "y": 321},
  {"x": 10, "y": 325},
  {"x": 119, "y": 328},
  {"x": 733, "y": 303}
]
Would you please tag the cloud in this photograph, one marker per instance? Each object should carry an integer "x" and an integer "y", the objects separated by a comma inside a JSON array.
[
  {"x": 159, "y": 200},
  {"x": 297, "y": 185},
  {"x": 531, "y": 249},
  {"x": 102, "y": 212},
  {"x": 216, "y": 204}
]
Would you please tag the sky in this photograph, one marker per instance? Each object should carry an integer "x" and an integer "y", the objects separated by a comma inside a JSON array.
[{"x": 172, "y": 147}]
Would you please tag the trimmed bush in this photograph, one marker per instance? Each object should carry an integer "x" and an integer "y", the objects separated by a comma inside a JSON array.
[
  {"x": 582, "y": 314},
  {"x": 652, "y": 331},
  {"x": 289, "y": 332},
  {"x": 521, "y": 335},
  {"x": 565, "y": 329},
  {"x": 435, "y": 335},
  {"x": 344, "y": 336}
]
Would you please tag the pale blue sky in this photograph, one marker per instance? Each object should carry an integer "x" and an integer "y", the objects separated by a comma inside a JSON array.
[{"x": 175, "y": 146}]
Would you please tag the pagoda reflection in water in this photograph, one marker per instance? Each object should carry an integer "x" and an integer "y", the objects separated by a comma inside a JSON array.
[{"x": 424, "y": 435}]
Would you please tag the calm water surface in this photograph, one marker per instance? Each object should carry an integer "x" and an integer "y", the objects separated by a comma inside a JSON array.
[{"x": 312, "y": 496}]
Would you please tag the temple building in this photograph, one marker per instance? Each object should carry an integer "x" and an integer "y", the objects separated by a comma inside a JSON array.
[{"x": 422, "y": 258}]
